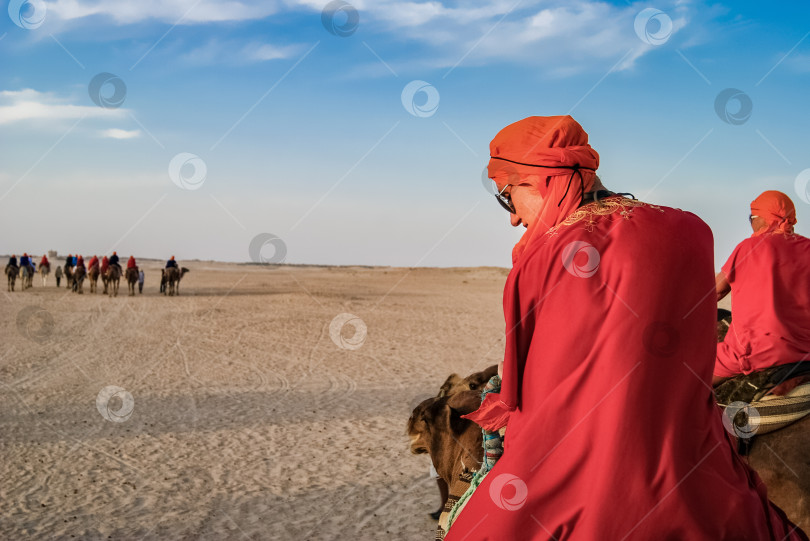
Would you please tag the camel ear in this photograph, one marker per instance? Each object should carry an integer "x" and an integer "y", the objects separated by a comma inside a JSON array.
[{"x": 451, "y": 381}]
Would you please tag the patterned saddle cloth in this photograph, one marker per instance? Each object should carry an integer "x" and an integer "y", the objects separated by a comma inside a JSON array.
[{"x": 755, "y": 409}]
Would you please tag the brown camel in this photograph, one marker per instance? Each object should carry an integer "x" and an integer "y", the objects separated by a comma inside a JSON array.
[
  {"x": 132, "y": 279},
  {"x": 454, "y": 444},
  {"x": 93, "y": 275},
  {"x": 79, "y": 274},
  {"x": 780, "y": 458},
  {"x": 27, "y": 276},
  {"x": 11, "y": 273},
  {"x": 453, "y": 385},
  {"x": 170, "y": 281},
  {"x": 68, "y": 271},
  {"x": 113, "y": 276}
]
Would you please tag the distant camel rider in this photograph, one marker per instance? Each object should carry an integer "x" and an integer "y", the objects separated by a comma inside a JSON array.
[
  {"x": 114, "y": 259},
  {"x": 131, "y": 263},
  {"x": 93, "y": 263},
  {"x": 25, "y": 261},
  {"x": 69, "y": 261},
  {"x": 12, "y": 261},
  {"x": 171, "y": 263},
  {"x": 105, "y": 263},
  {"x": 769, "y": 276},
  {"x": 80, "y": 263},
  {"x": 44, "y": 261}
]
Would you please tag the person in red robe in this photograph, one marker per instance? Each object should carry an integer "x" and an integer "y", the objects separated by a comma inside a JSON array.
[
  {"x": 104, "y": 264},
  {"x": 612, "y": 430},
  {"x": 44, "y": 262},
  {"x": 131, "y": 263},
  {"x": 769, "y": 275},
  {"x": 93, "y": 262}
]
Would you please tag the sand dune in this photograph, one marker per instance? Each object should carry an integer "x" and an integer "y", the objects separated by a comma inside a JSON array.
[{"x": 249, "y": 422}]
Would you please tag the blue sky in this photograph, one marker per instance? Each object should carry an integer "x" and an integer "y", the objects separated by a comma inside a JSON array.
[{"x": 304, "y": 134}]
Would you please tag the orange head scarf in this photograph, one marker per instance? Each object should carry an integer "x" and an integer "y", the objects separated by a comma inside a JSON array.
[
  {"x": 552, "y": 154},
  {"x": 777, "y": 210}
]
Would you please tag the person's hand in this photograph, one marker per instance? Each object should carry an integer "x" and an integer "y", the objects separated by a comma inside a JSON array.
[{"x": 500, "y": 369}]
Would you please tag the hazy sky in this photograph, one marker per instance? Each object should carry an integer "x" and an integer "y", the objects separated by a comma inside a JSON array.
[{"x": 357, "y": 133}]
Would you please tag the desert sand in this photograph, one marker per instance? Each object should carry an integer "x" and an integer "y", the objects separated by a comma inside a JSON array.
[{"x": 246, "y": 419}]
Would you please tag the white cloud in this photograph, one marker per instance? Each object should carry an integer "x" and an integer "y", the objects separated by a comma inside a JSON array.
[
  {"x": 561, "y": 37},
  {"x": 235, "y": 52},
  {"x": 116, "y": 133},
  {"x": 30, "y": 105},
  {"x": 170, "y": 11}
]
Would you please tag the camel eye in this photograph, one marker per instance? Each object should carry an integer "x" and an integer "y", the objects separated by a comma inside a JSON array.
[{"x": 473, "y": 386}]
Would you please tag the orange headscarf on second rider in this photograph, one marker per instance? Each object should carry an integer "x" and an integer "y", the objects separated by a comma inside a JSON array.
[
  {"x": 552, "y": 154},
  {"x": 777, "y": 210}
]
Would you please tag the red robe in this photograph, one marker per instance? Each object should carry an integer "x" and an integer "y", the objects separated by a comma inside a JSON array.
[
  {"x": 613, "y": 432},
  {"x": 769, "y": 276}
]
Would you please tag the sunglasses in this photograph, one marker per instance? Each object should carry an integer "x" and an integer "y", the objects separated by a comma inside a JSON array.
[{"x": 505, "y": 200}]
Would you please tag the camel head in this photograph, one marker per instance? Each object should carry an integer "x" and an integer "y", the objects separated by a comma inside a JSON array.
[{"x": 437, "y": 428}]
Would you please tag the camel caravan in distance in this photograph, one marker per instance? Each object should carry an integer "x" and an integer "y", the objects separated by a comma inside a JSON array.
[
  {"x": 772, "y": 430},
  {"x": 74, "y": 273}
]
